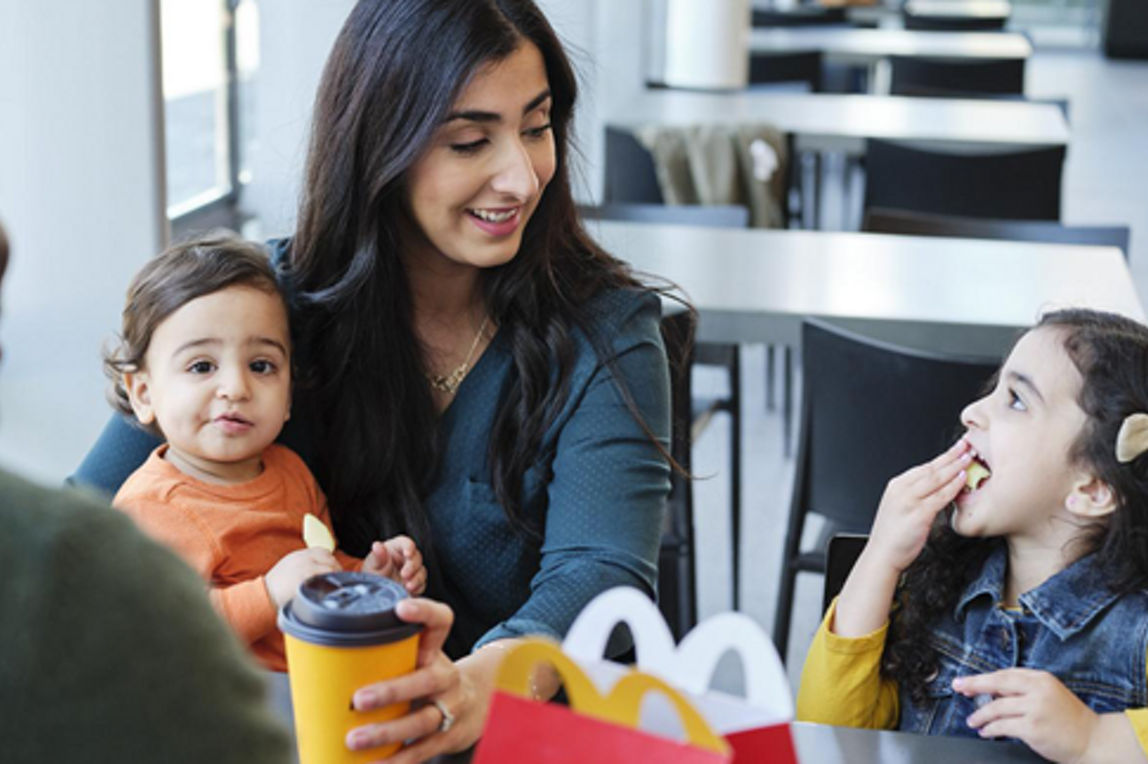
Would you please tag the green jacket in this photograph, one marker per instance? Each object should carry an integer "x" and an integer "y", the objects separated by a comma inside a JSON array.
[{"x": 109, "y": 650}]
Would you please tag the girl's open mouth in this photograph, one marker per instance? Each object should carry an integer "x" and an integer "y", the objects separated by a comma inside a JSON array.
[{"x": 977, "y": 474}]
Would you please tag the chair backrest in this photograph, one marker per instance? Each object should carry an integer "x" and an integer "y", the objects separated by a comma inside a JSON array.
[
  {"x": 804, "y": 16},
  {"x": 714, "y": 215},
  {"x": 677, "y": 597},
  {"x": 1022, "y": 185},
  {"x": 840, "y": 555},
  {"x": 885, "y": 220},
  {"x": 912, "y": 75},
  {"x": 952, "y": 23},
  {"x": 798, "y": 66},
  {"x": 630, "y": 172},
  {"x": 871, "y": 410}
]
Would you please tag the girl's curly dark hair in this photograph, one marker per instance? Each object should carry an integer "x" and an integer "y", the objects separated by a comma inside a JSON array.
[{"x": 1111, "y": 354}]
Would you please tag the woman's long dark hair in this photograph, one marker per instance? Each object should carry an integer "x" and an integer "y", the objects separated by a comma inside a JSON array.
[
  {"x": 1111, "y": 354},
  {"x": 396, "y": 69}
]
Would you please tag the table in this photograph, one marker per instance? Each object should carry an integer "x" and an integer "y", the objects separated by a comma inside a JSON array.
[
  {"x": 837, "y": 122},
  {"x": 864, "y": 47},
  {"x": 957, "y": 295},
  {"x": 816, "y": 743},
  {"x": 820, "y": 744}
]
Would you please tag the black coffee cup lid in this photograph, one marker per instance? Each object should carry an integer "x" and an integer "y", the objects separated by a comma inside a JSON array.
[{"x": 346, "y": 608}]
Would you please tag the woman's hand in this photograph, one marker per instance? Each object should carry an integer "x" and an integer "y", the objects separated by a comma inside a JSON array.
[
  {"x": 464, "y": 691},
  {"x": 1037, "y": 708},
  {"x": 912, "y": 501}
]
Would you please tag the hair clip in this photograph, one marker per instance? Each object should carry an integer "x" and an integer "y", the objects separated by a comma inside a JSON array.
[{"x": 1132, "y": 440}]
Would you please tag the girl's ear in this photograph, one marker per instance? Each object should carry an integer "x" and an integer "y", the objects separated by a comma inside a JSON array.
[
  {"x": 1090, "y": 498},
  {"x": 136, "y": 384}
]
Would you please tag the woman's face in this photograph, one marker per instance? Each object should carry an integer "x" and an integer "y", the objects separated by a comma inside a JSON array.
[{"x": 473, "y": 190}]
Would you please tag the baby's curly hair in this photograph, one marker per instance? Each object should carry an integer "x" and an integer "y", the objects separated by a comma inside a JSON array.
[{"x": 175, "y": 277}]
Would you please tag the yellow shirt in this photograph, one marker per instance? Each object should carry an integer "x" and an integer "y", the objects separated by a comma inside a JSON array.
[{"x": 841, "y": 684}]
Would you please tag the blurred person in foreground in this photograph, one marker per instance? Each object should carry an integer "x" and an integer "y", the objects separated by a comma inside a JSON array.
[{"x": 109, "y": 650}]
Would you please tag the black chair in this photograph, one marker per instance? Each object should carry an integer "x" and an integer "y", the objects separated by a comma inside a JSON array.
[
  {"x": 726, "y": 356},
  {"x": 870, "y": 410},
  {"x": 840, "y": 555},
  {"x": 1023, "y": 185},
  {"x": 677, "y": 590},
  {"x": 775, "y": 68},
  {"x": 884, "y": 220},
  {"x": 947, "y": 78},
  {"x": 939, "y": 23},
  {"x": 804, "y": 16},
  {"x": 630, "y": 173}
]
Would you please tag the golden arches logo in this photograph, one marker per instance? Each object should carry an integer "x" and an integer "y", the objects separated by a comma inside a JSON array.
[{"x": 622, "y": 705}]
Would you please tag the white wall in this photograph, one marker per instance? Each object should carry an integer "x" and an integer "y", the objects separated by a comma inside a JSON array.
[
  {"x": 295, "y": 37},
  {"x": 81, "y": 196}
]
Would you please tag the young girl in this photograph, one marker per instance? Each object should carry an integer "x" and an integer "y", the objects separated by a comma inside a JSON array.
[
  {"x": 1014, "y": 564},
  {"x": 205, "y": 362}
]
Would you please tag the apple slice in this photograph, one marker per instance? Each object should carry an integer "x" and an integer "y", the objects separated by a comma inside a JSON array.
[
  {"x": 316, "y": 535},
  {"x": 976, "y": 474}
]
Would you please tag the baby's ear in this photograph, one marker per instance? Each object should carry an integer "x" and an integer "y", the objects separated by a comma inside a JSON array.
[
  {"x": 1090, "y": 498},
  {"x": 139, "y": 393}
]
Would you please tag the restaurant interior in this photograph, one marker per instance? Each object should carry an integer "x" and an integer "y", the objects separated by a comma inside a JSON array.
[{"x": 845, "y": 191}]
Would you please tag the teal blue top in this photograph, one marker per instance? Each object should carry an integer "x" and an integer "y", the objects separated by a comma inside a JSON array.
[
  {"x": 599, "y": 483},
  {"x": 598, "y": 480}
]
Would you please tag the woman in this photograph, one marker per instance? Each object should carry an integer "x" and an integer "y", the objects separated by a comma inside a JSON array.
[{"x": 474, "y": 370}]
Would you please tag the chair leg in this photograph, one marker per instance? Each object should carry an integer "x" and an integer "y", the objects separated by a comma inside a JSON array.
[
  {"x": 781, "y": 617},
  {"x": 770, "y": 387},
  {"x": 815, "y": 206},
  {"x": 735, "y": 474},
  {"x": 787, "y": 402}
]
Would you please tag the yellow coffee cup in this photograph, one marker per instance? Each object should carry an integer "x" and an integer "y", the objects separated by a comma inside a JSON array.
[{"x": 341, "y": 633}]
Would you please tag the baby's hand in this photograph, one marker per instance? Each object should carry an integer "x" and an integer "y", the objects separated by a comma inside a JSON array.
[
  {"x": 911, "y": 503},
  {"x": 293, "y": 569},
  {"x": 1035, "y": 707},
  {"x": 399, "y": 559}
]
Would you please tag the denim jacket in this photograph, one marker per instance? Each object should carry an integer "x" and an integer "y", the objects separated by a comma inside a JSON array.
[{"x": 1072, "y": 626}]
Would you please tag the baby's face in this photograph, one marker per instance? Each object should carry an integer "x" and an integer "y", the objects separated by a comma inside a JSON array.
[{"x": 217, "y": 381}]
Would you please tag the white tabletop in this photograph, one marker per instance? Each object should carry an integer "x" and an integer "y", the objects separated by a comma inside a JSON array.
[
  {"x": 865, "y": 46},
  {"x": 960, "y": 9},
  {"x": 835, "y": 122},
  {"x": 756, "y": 285}
]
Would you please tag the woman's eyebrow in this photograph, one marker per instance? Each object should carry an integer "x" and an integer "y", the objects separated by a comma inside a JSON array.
[{"x": 476, "y": 115}]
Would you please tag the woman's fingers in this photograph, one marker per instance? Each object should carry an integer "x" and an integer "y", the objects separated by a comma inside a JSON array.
[
  {"x": 416, "y": 724},
  {"x": 436, "y": 619},
  {"x": 418, "y": 684}
]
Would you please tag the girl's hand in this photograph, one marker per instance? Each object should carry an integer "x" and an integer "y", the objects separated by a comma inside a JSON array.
[
  {"x": 911, "y": 503},
  {"x": 435, "y": 678},
  {"x": 293, "y": 569},
  {"x": 1035, "y": 707},
  {"x": 399, "y": 559}
]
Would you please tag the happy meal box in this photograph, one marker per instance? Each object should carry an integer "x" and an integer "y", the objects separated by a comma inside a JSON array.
[{"x": 664, "y": 710}]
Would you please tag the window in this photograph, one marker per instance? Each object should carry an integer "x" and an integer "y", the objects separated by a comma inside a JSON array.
[{"x": 210, "y": 56}]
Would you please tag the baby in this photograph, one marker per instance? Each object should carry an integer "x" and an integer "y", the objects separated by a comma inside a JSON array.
[{"x": 205, "y": 361}]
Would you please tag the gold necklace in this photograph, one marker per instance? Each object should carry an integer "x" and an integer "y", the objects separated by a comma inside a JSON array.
[{"x": 448, "y": 383}]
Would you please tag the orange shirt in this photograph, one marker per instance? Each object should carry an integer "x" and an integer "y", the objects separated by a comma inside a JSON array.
[{"x": 232, "y": 534}]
